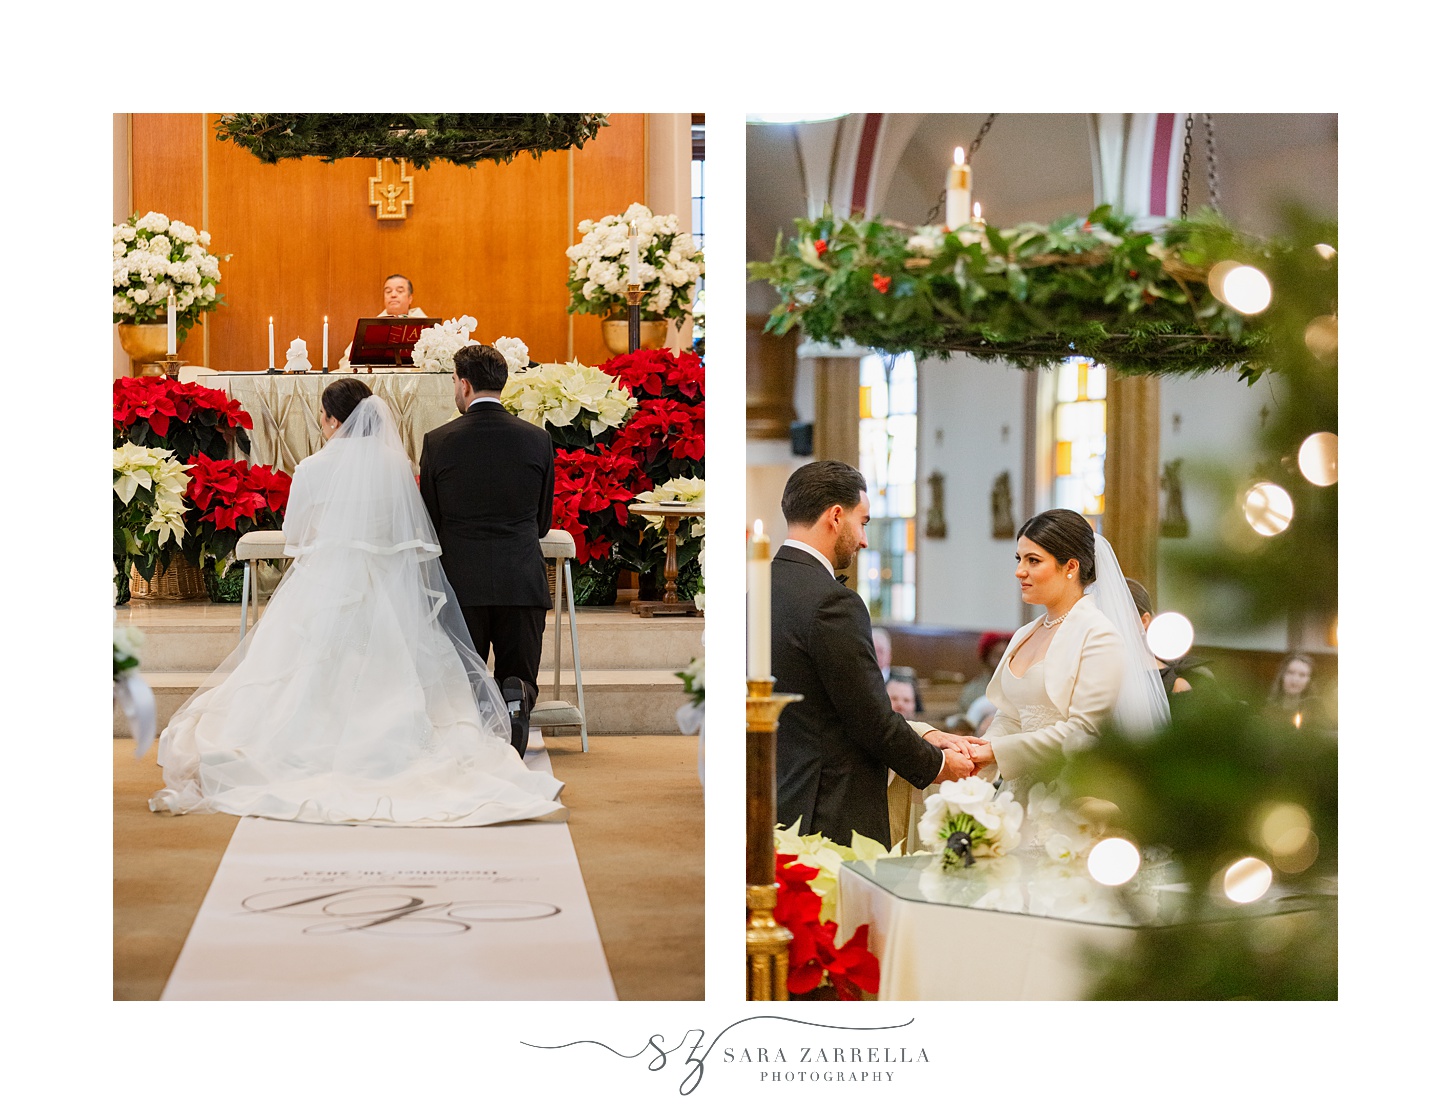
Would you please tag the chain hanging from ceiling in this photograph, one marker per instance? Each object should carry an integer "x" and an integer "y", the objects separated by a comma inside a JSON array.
[
  {"x": 976, "y": 143},
  {"x": 1212, "y": 161}
]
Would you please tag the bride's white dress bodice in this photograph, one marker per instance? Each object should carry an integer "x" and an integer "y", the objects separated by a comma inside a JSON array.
[{"x": 1025, "y": 698}]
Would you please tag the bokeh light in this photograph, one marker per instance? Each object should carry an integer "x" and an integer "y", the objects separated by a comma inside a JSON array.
[
  {"x": 1247, "y": 880},
  {"x": 1113, "y": 861},
  {"x": 1215, "y": 279},
  {"x": 1319, "y": 458},
  {"x": 1170, "y": 635},
  {"x": 1247, "y": 289},
  {"x": 1325, "y": 250},
  {"x": 1268, "y": 509},
  {"x": 1322, "y": 337},
  {"x": 1283, "y": 827}
]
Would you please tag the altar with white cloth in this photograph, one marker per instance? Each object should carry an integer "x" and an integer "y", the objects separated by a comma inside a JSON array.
[
  {"x": 1015, "y": 928},
  {"x": 284, "y": 408}
]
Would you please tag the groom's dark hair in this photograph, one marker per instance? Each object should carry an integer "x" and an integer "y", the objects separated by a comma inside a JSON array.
[
  {"x": 815, "y": 487},
  {"x": 483, "y": 366}
]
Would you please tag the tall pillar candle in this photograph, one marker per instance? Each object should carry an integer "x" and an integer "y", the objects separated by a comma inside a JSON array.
[
  {"x": 634, "y": 253},
  {"x": 271, "y": 346},
  {"x": 324, "y": 343},
  {"x": 171, "y": 324},
  {"x": 758, "y": 605},
  {"x": 959, "y": 191}
]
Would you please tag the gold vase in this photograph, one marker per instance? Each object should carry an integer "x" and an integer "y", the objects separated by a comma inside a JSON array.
[
  {"x": 145, "y": 344},
  {"x": 617, "y": 334}
]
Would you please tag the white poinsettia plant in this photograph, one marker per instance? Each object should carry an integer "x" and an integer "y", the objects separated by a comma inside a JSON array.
[
  {"x": 153, "y": 257},
  {"x": 164, "y": 478},
  {"x": 682, "y": 489},
  {"x": 827, "y": 857},
  {"x": 968, "y": 820},
  {"x": 515, "y": 353},
  {"x": 575, "y": 403},
  {"x": 434, "y": 349},
  {"x": 668, "y": 265}
]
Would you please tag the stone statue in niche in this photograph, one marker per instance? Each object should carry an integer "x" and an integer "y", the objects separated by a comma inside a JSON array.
[
  {"x": 936, "y": 517},
  {"x": 1174, "y": 524},
  {"x": 1003, "y": 507}
]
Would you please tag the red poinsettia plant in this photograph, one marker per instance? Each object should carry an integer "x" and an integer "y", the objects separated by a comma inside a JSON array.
[
  {"x": 659, "y": 373},
  {"x": 666, "y": 437},
  {"x": 592, "y": 491},
  {"x": 228, "y": 498},
  {"x": 186, "y": 418},
  {"x": 815, "y": 959}
]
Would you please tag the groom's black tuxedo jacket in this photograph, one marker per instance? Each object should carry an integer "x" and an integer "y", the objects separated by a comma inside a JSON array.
[
  {"x": 834, "y": 747},
  {"x": 487, "y": 479}
]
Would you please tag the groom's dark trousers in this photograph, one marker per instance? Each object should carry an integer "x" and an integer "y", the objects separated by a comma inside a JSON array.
[{"x": 487, "y": 479}]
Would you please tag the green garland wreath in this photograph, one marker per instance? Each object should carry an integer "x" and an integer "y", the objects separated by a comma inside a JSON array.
[
  {"x": 462, "y": 138},
  {"x": 1030, "y": 295}
]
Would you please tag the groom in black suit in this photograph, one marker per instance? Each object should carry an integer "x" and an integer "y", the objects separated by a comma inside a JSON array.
[
  {"x": 835, "y": 746},
  {"x": 487, "y": 479}
]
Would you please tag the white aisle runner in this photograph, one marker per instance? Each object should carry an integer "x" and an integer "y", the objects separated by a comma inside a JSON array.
[{"x": 328, "y": 912}]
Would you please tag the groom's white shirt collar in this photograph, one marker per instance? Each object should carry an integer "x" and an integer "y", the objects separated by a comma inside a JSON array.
[
  {"x": 794, "y": 544},
  {"x": 485, "y": 398}
]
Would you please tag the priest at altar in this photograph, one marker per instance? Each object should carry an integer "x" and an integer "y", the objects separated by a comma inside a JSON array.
[{"x": 397, "y": 302}]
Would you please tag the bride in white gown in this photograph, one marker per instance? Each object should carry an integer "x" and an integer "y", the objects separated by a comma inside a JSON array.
[{"x": 358, "y": 698}]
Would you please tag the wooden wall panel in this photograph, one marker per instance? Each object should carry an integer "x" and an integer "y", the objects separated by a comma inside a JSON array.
[
  {"x": 609, "y": 175},
  {"x": 487, "y": 242},
  {"x": 166, "y": 175}
]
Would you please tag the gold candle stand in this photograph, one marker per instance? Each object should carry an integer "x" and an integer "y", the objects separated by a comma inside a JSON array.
[
  {"x": 170, "y": 366},
  {"x": 633, "y": 294},
  {"x": 768, "y": 944}
]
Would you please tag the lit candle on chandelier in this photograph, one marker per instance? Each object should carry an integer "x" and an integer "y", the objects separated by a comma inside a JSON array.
[
  {"x": 171, "y": 324},
  {"x": 959, "y": 190},
  {"x": 758, "y": 605},
  {"x": 1299, "y": 719},
  {"x": 634, "y": 253},
  {"x": 324, "y": 342},
  {"x": 271, "y": 346},
  {"x": 977, "y": 214}
]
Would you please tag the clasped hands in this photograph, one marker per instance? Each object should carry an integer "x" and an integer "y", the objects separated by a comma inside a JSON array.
[{"x": 963, "y": 755}]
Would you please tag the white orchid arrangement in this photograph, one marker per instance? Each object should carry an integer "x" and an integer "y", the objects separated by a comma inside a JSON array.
[
  {"x": 434, "y": 349},
  {"x": 574, "y": 402},
  {"x": 827, "y": 857},
  {"x": 164, "y": 478},
  {"x": 515, "y": 353},
  {"x": 153, "y": 257},
  {"x": 668, "y": 265},
  {"x": 968, "y": 819}
]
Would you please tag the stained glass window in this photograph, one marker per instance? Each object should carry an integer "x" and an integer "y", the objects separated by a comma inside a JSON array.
[
  {"x": 1080, "y": 437},
  {"x": 887, "y": 568}
]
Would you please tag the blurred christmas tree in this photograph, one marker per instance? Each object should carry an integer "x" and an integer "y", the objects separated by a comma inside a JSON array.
[{"x": 1240, "y": 797}]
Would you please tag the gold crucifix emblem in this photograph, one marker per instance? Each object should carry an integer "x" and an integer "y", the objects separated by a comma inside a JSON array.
[{"x": 391, "y": 190}]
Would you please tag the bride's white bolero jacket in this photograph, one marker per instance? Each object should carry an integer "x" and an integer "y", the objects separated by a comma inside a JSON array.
[{"x": 1083, "y": 671}]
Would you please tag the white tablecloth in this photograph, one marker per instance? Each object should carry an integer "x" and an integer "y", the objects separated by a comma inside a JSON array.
[{"x": 284, "y": 409}]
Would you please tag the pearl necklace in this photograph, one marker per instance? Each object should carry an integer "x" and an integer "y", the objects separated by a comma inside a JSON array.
[{"x": 1050, "y": 623}]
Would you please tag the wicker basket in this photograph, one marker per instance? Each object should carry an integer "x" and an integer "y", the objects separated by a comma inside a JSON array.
[{"x": 181, "y": 581}]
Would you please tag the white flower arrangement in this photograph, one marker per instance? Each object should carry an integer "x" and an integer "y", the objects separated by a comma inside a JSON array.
[
  {"x": 967, "y": 819},
  {"x": 434, "y": 349},
  {"x": 570, "y": 396},
  {"x": 669, "y": 264},
  {"x": 1065, "y": 834},
  {"x": 126, "y": 643},
  {"x": 158, "y": 471},
  {"x": 153, "y": 257},
  {"x": 515, "y": 353},
  {"x": 682, "y": 489}
]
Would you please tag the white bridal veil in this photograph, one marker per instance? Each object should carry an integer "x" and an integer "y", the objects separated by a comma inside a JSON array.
[{"x": 1142, "y": 706}]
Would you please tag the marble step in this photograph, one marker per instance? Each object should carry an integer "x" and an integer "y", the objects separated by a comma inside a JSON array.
[
  {"x": 189, "y": 636},
  {"x": 616, "y": 701}
]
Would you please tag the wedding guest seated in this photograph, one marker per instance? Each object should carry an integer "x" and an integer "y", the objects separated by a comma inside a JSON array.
[
  {"x": 1172, "y": 674},
  {"x": 902, "y": 794},
  {"x": 882, "y": 645},
  {"x": 990, "y": 649},
  {"x": 1293, "y": 695},
  {"x": 980, "y": 715},
  {"x": 397, "y": 302}
]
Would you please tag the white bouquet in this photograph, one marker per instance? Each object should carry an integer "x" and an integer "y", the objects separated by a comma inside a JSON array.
[
  {"x": 574, "y": 402},
  {"x": 436, "y": 345},
  {"x": 153, "y": 257},
  {"x": 668, "y": 265},
  {"x": 967, "y": 820}
]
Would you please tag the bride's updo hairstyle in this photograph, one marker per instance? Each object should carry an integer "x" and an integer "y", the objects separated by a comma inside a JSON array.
[
  {"x": 1066, "y": 535},
  {"x": 340, "y": 399}
]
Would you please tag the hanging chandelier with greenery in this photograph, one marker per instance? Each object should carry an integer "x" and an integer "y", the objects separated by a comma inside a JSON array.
[
  {"x": 1136, "y": 300},
  {"x": 462, "y": 138}
]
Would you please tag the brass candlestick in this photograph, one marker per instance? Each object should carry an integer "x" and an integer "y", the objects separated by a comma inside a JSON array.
[
  {"x": 633, "y": 294},
  {"x": 768, "y": 944},
  {"x": 170, "y": 366}
]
